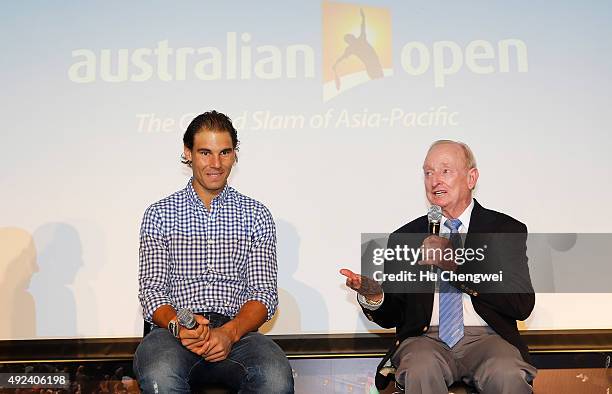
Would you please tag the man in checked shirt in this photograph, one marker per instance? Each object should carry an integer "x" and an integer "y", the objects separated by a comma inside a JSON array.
[{"x": 212, "y": 250}]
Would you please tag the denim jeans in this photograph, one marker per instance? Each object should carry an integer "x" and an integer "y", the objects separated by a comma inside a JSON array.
[{"x": 255, "y": 365}]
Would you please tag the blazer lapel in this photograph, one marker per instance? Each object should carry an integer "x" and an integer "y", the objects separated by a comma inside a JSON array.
[{"x": 481, "y": 221}]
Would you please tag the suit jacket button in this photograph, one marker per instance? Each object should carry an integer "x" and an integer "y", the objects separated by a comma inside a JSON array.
[
  {"x": 397, "y": 343},
  {"x": 425, "y": 329}
]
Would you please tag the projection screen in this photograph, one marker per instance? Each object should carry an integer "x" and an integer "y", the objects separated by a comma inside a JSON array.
[{"x": 335, "y": 105}]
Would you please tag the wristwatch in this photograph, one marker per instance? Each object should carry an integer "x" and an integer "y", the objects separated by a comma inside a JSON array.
[
  {"x": 174, "y": 328},
  {"x": 371, "y": 302},
  {"x": 365, "y": 300}
]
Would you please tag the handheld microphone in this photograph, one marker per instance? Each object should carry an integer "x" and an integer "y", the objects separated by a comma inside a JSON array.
[
  {"x": 186, "y": 319},
  {"x": 434, "y": 216}
]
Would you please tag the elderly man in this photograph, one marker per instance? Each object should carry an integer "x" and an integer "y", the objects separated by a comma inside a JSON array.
[{"x": 454, "y": 332}]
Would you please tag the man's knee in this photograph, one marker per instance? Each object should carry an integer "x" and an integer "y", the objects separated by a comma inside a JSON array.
[
  {"x": 160, "y": 368},
  {"x": 423, "y": 368},
  {"x": 267, "y": 367},
  {"x": 273, "y": 376},
  {"x": 160, "y": 376},
  {"x": 503, "y": 376}
]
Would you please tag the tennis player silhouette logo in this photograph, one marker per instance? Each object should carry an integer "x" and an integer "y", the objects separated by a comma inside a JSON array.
[
  {"x": 363, "y": 50},
  {"x": 356, "y": 46}
]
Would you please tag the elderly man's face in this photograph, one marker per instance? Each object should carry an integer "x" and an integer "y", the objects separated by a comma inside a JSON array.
[{"x": 448, "y": 182}]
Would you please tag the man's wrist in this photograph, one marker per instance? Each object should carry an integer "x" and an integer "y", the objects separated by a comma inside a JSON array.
[{"x": 232, "y": 330}]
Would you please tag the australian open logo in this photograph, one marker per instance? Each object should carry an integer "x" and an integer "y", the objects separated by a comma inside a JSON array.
[
  {"x": 356, "y": 49},
  {"x": 356, "y": 46}
]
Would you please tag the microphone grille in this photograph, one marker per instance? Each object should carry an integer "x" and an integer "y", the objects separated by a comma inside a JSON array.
[
  {"x": 185, "y": 318},
  {"x": 434, "y": 214}
]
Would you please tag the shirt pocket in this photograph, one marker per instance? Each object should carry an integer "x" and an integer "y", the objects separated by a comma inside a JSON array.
[{"x": 187, "y": 255}]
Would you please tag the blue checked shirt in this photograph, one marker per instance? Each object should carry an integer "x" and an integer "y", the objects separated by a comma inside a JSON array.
[{"x": 208, "y": 261}]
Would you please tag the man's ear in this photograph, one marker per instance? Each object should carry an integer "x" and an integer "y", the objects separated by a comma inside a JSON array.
[
  {"x": 472, "y": 178},
  {"x": 187, "y": 153}
]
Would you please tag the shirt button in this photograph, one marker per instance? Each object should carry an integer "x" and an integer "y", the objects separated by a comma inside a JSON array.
[{"x": 210, "y": 242}]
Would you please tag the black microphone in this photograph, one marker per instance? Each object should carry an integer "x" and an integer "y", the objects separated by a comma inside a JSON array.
[
  {"x": 434, "y": 217},
  {"x": 185, "y": 318}
]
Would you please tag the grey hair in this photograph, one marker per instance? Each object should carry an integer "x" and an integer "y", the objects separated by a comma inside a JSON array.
[{"x": 470, "y": 160}]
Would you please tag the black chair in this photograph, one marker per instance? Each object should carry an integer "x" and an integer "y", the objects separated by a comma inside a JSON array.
[{"x": 209, "y": 388}]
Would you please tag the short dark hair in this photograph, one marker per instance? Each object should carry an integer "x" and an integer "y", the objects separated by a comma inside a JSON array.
[{"x": 211, "y": 121}]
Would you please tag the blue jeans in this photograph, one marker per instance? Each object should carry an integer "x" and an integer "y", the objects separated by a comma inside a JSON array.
[{"x": 256, "y": 364}]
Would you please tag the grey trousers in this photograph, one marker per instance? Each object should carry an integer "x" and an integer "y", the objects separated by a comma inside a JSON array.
[{"x": 482, "y": 359}]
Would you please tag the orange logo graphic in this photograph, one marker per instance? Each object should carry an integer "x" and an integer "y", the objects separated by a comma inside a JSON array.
[{"x": 356, "y": 46}]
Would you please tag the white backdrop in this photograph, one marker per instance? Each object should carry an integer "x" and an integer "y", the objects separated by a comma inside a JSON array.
[{"x": 96, "y": 97}]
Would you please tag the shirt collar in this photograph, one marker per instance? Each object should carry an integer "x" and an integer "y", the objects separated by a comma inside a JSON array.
[
  {"x": 464, "y": 217},
  {"x": 218, "y": 200}
]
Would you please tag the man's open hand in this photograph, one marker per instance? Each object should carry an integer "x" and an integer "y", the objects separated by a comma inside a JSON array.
[{"x": 363, "y": 285}]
